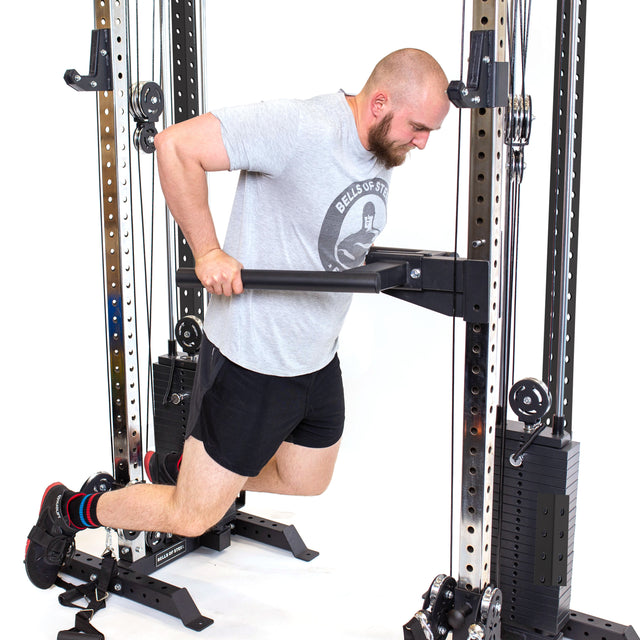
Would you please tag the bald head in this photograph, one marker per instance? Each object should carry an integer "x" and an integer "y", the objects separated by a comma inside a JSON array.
[
  {"x": 407, "y": 75},
  {"x": 402, "y": 102}
]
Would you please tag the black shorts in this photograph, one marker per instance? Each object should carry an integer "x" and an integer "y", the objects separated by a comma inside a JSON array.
[{"x": 242, "y": 417}]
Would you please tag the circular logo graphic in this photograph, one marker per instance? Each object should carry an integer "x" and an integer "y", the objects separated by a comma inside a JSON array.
[{"x": 353, "y": 222}]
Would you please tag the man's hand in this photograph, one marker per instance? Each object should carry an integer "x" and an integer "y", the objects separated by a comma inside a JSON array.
[{"x": 219, "y": 273}]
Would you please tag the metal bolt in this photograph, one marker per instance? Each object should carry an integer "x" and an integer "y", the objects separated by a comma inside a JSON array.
[
  {"x": 442, "y": 630},
  {"x": 124, "y": 550},
  {"x": 515, "y": 462},
  {"x": 475, "y": 99},
  {"x": 117, "y": 587},
  {"x": 94, "y": 83},
  {"x": 102, "y": 487},
  {"x": 449, "y": 595},
  {"x": 93, "y": 577},
  {"x": 154, "y": 99},
  {"x": 486, "y": 59},
  {"x": 415, "y": 273},
  {"x": 465, "y": 91},
  {"x": 103, "y": 52},
  {"x": 478, "y": 243},
  {"x": 476, "y": 632},
  {"x": 77, "y": 78}
]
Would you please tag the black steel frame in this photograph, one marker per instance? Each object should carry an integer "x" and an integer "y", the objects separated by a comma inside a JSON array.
[
  {"x": 564, "y": 212},
  {"x": 186, "y": 101}
]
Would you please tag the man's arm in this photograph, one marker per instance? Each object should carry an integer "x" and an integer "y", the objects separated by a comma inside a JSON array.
[{"x": 185, "y": 152}]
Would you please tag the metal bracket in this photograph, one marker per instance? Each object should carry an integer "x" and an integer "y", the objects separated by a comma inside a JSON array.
[
  {"x": 487, "y": 80},
  {"x": 100, "y": 73},
  {"x": 552, "y": 540},
  {"x": 441, "y": 282},
  {"x": 143, "y": 589},
  {"x": 434, "y": 280},
  {"x": 430, "y": 623}
]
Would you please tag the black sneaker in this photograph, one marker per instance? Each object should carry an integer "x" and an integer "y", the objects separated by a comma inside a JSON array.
[
  {"x": 51, "y": 542},
  {"x": 162, "y": 468}
]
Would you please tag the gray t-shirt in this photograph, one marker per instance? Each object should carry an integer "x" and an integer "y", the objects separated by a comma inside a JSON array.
[{"x": 309, "y": 197}]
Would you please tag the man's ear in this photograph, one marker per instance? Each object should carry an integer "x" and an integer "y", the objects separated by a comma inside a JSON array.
[{"x": 379, "y": 104}]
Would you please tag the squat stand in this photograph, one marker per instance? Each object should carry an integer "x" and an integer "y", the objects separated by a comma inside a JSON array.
[{"x": 133, "y": 580}]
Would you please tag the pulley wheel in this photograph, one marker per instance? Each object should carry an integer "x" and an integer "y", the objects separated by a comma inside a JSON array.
[
  {"x": 146, "y": 101},
  {"x": 155, "y": 539},
  {"x": 144, "y": 136},
  {"x": 98, "y": 483},
  {"x": 129, "y": 534},
  {"x": 530, "y": 400},
  {"x": 189, "y": 334}
]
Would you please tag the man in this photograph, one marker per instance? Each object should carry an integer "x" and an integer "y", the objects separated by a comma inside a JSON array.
[{"x": 267, "y": 408}]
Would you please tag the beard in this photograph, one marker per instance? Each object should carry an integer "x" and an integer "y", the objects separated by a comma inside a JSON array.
[{"x": 389, "y": 153}]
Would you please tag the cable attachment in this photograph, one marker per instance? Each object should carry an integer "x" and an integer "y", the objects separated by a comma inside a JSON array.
[
  {"x": 100, "y": 73},
  {"x": 431, "y": 622},
  {"x": 516, "y": 165},
  {"x": 146, "y": 103},
  {"x": 518, "y": 121},
  {"x": 530, "y": 400},
  {"x": 487, "y": 80}
]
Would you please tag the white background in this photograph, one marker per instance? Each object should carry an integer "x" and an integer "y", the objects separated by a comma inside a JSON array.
[{"x": 382, "y": 528}]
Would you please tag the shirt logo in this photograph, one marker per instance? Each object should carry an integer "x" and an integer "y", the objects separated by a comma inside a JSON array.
[{"x": 352, "y": 223}]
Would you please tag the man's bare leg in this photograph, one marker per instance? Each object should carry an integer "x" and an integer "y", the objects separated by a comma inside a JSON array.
[
  {"x": 204, "y": 492},
  {"x": 296, "y": 471}
]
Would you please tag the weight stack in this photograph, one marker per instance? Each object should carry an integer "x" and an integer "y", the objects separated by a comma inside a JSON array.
[
  {"x": 536, "y": 535},
  {"x": 172, "y": 385}
]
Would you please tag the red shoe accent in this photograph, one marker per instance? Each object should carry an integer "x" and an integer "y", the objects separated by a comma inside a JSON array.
[
  {"x": 44, "y": 495},
  {"x": 147, "y": 462}
]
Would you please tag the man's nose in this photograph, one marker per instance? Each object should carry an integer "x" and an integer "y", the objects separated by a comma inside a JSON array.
[{"x": 420, "y": 140}]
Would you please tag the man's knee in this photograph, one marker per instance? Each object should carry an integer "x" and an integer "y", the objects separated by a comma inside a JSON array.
[
  {"x": 316, "y": 489},
  {"x": 313, "y": 483},
  {"x": 191, "y": 520},
  {"x": 305, "y": 471},
  {"x": 204, "y": 492}
]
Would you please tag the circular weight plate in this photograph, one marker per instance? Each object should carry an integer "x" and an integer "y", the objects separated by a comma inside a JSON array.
[
  {"x": 530, "y": 400},
  {"x": 189, "y": 333}
]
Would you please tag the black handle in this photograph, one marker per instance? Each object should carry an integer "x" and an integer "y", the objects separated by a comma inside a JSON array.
[{"x": 372, "y": 278}]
